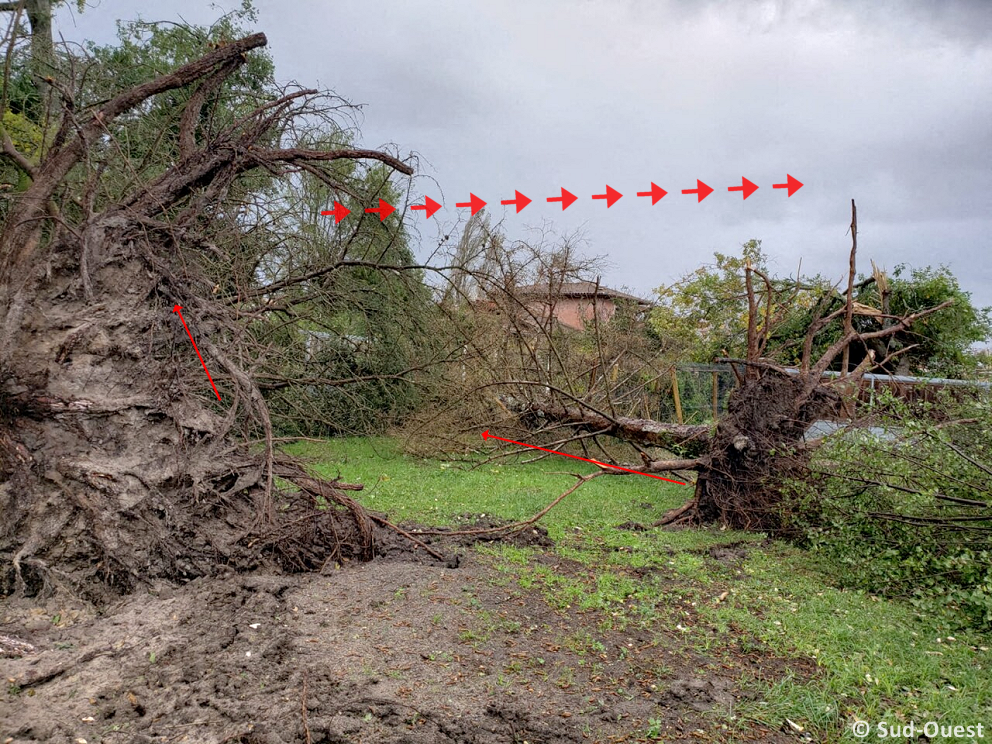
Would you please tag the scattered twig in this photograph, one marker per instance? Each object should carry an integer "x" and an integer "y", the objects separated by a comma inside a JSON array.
[
  {"x": 904, "y": 489},
  {"x": 984, "y": 468},
  {"x": 518, "y": 526},
  {"x": 400, "y": 531},
  {"x": 672, "y": 516}
]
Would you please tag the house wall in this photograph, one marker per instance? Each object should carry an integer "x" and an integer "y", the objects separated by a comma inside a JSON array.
[{"x": 575, "y": 312}]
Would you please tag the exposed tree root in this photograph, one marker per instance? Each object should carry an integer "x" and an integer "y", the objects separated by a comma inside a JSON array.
[
  {"x": 687, "y": 514},
  {"x": 114, "y": 470},
  {"x": 40, "y": 678}
]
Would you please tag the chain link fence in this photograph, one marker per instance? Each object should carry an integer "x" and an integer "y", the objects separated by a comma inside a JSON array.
[{"x": 696, "y": 393}]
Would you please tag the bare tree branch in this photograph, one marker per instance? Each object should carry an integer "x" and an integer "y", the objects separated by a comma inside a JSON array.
[
  {"x": 690, "y": 438},
  {"x": 849, "y": 299}
]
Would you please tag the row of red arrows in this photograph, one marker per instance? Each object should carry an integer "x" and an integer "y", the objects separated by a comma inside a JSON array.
[{"x": 567, "y": 198}]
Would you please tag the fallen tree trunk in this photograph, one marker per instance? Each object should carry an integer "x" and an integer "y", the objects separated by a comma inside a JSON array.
[
  {"x": 680, "y": 438},
  {"x": 740, "y": 461}
]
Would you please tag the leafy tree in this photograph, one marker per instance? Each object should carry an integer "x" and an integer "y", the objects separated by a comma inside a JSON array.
[
  {"x": 943, "y": 339},
  {"x": 356, "y": 323},
  {"x": 32, "y": 92},
  {"x": 704, "y": 315},
  {"x": 347, "y": 328},
  {"x": 29, "y": 109}
]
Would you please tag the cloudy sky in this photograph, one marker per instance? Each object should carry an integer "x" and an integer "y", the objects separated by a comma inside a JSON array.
[{"x": 889, "y": 103}]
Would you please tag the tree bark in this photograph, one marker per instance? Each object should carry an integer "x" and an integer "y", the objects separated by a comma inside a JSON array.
[
  {"x": 682, "y": 438},
  {"x": 43, "y": 64}
]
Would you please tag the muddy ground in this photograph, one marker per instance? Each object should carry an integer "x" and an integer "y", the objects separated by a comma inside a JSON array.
[{"x": 396, "y": 650}]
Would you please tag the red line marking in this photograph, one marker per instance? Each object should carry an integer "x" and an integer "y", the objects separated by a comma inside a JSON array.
[
  {"x": 175, "y": 309},
  {"x": 486, "y": 435}
]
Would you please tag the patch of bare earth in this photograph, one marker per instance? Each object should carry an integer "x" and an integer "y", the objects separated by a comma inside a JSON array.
[{"x": 391, "y": 651}]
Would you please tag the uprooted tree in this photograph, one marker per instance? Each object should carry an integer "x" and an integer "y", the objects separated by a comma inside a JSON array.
[
  {"x": 117, "y": 464},
  {"x": 742, "y": 462}
]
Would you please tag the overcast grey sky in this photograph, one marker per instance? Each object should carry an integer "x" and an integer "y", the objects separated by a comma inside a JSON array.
[{"x": 889, "y": 103}]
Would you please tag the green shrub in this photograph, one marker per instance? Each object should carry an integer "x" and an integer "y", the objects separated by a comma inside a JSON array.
[{"x": 902, "y": 509}]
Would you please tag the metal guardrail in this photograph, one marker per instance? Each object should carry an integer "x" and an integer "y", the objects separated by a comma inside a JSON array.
[
  {"x": 693, "y": 367},
  {"x": 906, "y": 379}
]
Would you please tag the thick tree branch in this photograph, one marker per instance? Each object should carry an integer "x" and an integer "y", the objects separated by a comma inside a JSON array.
[
  {"x": 849, "y": 299},
  {"x": 17, "y": 157},
  {"x": 293, "y": 155},
  {"x": 22, "y": 231},
  {"x": 689, "y": 438},
  {"x": 752, "y": 322},
  {"x": 662, "y": 466},
  {"x": 823, "y": 319},
  {"x": 194, "y": 107},
  {"x": 838, "y": 346}
]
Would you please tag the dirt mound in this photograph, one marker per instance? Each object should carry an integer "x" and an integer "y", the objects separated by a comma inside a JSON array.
[
  {"x": 700, "y": 694},
  {"x": 632, "y": 526},
  {"x": 733, "y": 554},
  {"x": 385, "y": 651},
  {"x": 268, "y": 659}
]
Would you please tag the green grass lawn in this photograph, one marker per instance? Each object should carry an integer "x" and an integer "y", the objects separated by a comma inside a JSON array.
[
  {"x": 438, "y": 491},
  {"x": 878, "y": 660}
]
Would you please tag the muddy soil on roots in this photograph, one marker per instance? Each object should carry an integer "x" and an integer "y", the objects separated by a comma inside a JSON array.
[{"x": 396, "y": 650}]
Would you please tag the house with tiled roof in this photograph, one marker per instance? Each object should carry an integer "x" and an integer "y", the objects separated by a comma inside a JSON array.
[{"x": 575, "y": 304}]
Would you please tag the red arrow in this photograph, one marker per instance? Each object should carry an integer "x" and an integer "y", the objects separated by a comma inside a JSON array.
[
  {"x": 746, "y": 186},
  {"x": 429, "y": 204},
  {"x": 487, "y": 435},
  {"x": 521, "y": 201},
  {"x": 701, "y": 188},
  {"x": 340, "y": 211},
  {"x": 475, "y": 202},
  {"x": 567, "y": 199},
  {"x": 791, "y": 184},
  {"x": 611, "y": 196},
  {"x": 384, "y": 209},
  {"x": 655, "y": 193},
  {"x": 176, "y": 309}
]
